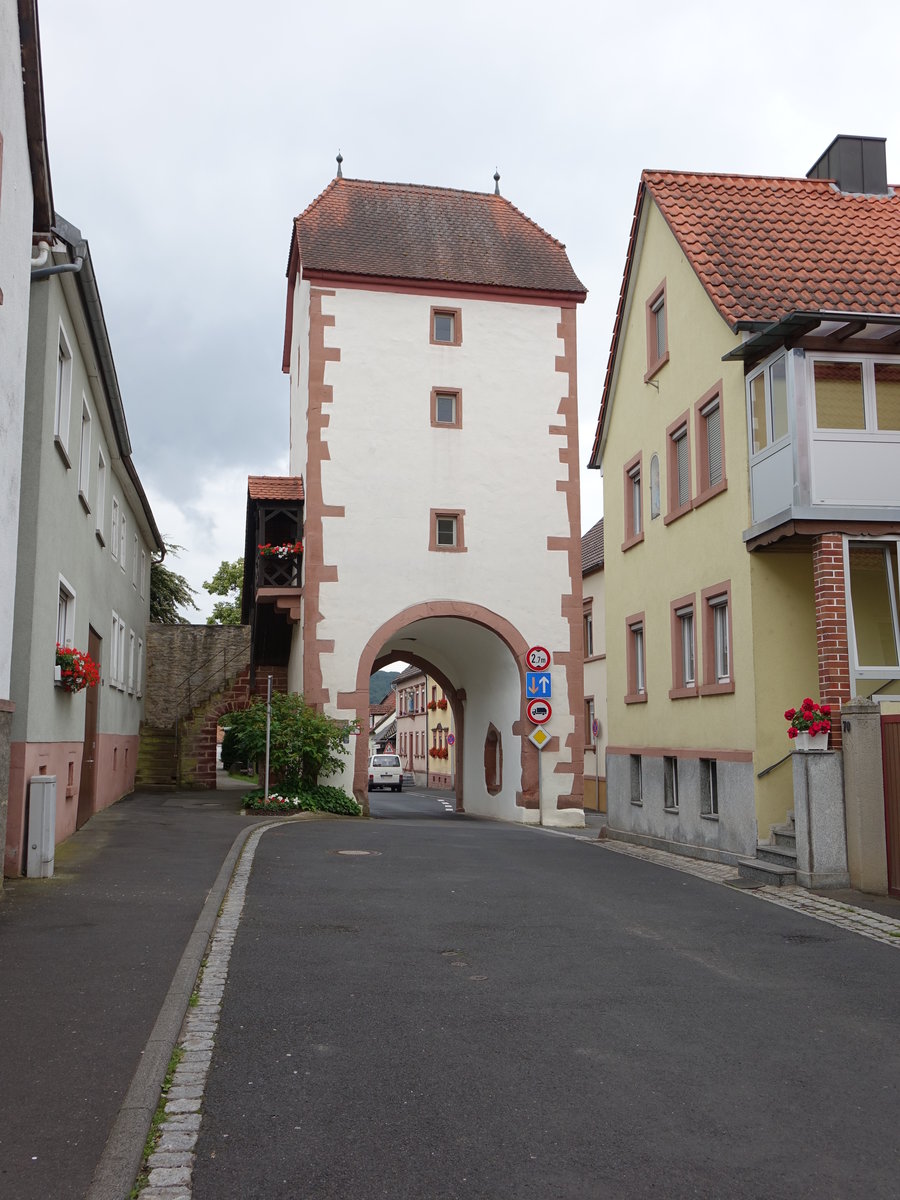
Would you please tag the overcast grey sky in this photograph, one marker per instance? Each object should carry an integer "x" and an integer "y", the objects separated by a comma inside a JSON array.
[{"x": 185, "y": 136}]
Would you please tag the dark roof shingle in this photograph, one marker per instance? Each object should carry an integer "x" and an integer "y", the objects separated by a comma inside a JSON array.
[
  {"x": 592, "y": 548},
  {"x": 409, "y": 231}
]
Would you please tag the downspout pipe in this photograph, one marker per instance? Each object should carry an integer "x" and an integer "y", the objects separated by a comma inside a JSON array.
[{"x": 61, "y": 269}]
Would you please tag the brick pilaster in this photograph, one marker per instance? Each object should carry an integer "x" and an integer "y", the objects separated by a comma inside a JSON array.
[{"x": 831, "y": 627}]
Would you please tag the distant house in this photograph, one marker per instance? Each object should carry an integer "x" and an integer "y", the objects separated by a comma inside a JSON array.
[
  {"x": 594, "y": 619},
  {"x": 86, "y": 536},
  {"x": 26, "y": 214},
  {"x": 749, "y": 435}
]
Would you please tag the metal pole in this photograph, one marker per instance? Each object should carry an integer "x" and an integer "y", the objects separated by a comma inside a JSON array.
[
  {"x": 540, "y": 755},
  {"x": 597, "y": 768},
  {"x": 268, "y": 732}
]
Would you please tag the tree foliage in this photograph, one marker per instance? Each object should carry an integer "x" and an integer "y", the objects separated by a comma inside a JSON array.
[
  {"x": 304, "y": 744},
  {"x": 169, "y": 591},
  {"x": 228, "y": 581}
]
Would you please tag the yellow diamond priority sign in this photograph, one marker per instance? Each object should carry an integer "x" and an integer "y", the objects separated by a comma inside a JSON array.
[{"x": 539, "y": 737}]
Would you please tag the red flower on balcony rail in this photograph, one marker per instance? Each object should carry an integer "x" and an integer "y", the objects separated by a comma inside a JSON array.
[{"x": 286, "y": 550}]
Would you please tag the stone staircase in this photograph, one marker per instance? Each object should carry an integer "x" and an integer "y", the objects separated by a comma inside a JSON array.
[
  {"x": 157, "y": 764},
  {"x": 775, "y": 863}
]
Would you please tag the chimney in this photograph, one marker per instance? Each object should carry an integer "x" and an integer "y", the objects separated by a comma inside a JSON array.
[{"x": 856, "y": 164}]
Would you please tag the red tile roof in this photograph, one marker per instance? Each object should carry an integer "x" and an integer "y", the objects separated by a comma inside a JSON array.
[
  {"x": 764, "y": 247},
  {"x": 408, "y": 231},
  {"x": 592, "y": 549},
  {"x": 275, "y": 487}
]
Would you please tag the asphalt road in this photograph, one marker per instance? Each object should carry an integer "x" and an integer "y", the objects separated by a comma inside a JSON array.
[
  {"x": 472, "y": 1009},
  {"x": 86, "y": 959}
]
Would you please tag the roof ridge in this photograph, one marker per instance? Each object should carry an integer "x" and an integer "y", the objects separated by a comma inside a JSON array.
[
  {"x": 648, "y": 171},
  {"x": 425, "y": 187}
]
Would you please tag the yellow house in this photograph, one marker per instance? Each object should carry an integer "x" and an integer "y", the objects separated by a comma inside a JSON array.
[
  {"x": 749, "y": 438},
  {"x": 594, "y": 637}
]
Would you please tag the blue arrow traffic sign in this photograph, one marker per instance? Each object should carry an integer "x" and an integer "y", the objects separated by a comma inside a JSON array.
[{"x": 537, "y": 683}]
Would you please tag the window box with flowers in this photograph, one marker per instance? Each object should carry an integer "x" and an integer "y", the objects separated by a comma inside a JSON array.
[
  {"x": 442, "y": 704},
  {"x": 432, "y": 705},
  {"x": 74, "y": 670},
  {"x": 810, "y": 725},
  {"x": 285, "y": 551}
]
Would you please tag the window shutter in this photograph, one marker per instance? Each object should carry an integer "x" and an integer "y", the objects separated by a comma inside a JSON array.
[
  {"x": 714, "y": 445},
  {"x": 684, "y": 489}
]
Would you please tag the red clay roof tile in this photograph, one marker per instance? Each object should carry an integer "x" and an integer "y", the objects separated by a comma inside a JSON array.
[
  {"x": 592, "y": 548},
  {"x": 409, "y": 231},
  {"x": 764, "y": 247},
  {"x": 275, "y": 487}
]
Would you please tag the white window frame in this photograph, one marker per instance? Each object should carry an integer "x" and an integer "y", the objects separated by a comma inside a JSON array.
[
  {"x": 143, "y": 587},
  {"x": 588, "y": 622},
  {"x": 871, "y": 672},
  {"x": 867, "y": 363},
  {"x": 114, "y": 652},
  {"x": 445, "y": 520},
  {"x": 65, "y": 615},
  {"x": 139, "y": 675},
  {"x": 637, "y": 649},
  {"x": 709, "y": 787},
  {"x": 766, "y": 369},
  {"x": 682, "y": 487},
  {"x": 670, "y": 783},
  {"x": 101, "y": 495},
  {"x": 114, "y": 529},
  {"x": 121, "y": 669},
  {"x": 637, "y": 516},
  {"x": 453, "y": 397},
  {"x": 131, "y": 647},
  {"x": 84, "y": 460},
  {"x": 134, "y": 561},
  {"x": 688, "y": 638},
  {"x": 63, "y": 405},
  {"x": 720, "y": 625},
  {"x": 123, "y": 538}
]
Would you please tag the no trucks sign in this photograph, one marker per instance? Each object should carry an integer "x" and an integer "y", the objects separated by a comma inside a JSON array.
[{"x": 538, "y": 711}]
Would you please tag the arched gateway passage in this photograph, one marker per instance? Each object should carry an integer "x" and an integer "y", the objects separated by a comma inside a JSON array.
[{"x": 477, "y": 657}]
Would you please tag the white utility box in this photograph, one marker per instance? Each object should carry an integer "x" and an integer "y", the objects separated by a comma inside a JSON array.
[{"x": 41, "y": 827}]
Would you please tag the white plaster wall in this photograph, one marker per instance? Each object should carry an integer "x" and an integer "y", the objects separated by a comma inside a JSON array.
[
  {"x": 58, "y": 537},
  {"x": 388, "y": 467},
  {"x": 15, "y": 270}
]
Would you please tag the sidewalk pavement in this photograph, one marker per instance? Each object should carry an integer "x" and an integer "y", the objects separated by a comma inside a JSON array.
[{"x": 87, "y": 959}]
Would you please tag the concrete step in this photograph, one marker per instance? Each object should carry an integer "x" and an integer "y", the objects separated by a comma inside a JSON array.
[
  {"x": 784, "y": 856},
  {"x": 783, "y": 835},
  {"x": 770, "y": 873}
]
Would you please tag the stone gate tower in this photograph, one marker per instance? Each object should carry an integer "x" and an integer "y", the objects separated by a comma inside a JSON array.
[{"x": 430, "y": 343}]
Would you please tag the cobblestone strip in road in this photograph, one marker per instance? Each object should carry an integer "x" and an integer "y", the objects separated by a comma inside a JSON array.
[
  {"x": 172, "y": 1162},
  {"x": 834, "y": 912}
]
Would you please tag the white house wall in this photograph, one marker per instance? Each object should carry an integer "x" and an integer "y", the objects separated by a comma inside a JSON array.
[
  {"x": 386, "y": 468},
  {"x": 15, "y": 255}
]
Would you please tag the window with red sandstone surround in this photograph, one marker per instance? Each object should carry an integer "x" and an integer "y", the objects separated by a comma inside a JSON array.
[
  {"x": 634, "y": 522},
  {"x": 710, "y": 435},
  {"x": 684, "y": 652},
  {"x": 678, "y": 469},
  {"x": 718, "y": 671},
  {"x": 635, "y": 659},
  {"x": 446, "y": 326},
  {"x": 447, "y": 531},
  {"x": 657, "y": 331},
  {"x": 446, "y": 408}
]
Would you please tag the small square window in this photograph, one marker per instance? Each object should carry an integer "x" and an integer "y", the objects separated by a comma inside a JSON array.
[
  {"x": 446, "y": 408},
  {"x": 446, "y": 326},
  {"x": 447, "y": 530}
]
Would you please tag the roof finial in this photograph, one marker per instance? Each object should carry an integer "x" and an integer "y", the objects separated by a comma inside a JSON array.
[
  {"x": 340, "y": 159},
  {"x": 496, "y": 182}
]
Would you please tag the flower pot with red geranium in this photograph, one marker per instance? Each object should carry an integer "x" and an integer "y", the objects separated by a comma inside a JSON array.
[
  {"x": 75, "y": 670},
  {"x": 810, "y": 725}
]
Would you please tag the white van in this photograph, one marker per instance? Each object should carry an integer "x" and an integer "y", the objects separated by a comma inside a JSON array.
[{"x": 385, "y": 771}]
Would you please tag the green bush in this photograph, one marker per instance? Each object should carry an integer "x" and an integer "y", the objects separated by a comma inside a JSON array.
[
  {"x": 320, "y": 798},
  {"x": 230, "y": 754},
  {"x": 304, "y": 743}
]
